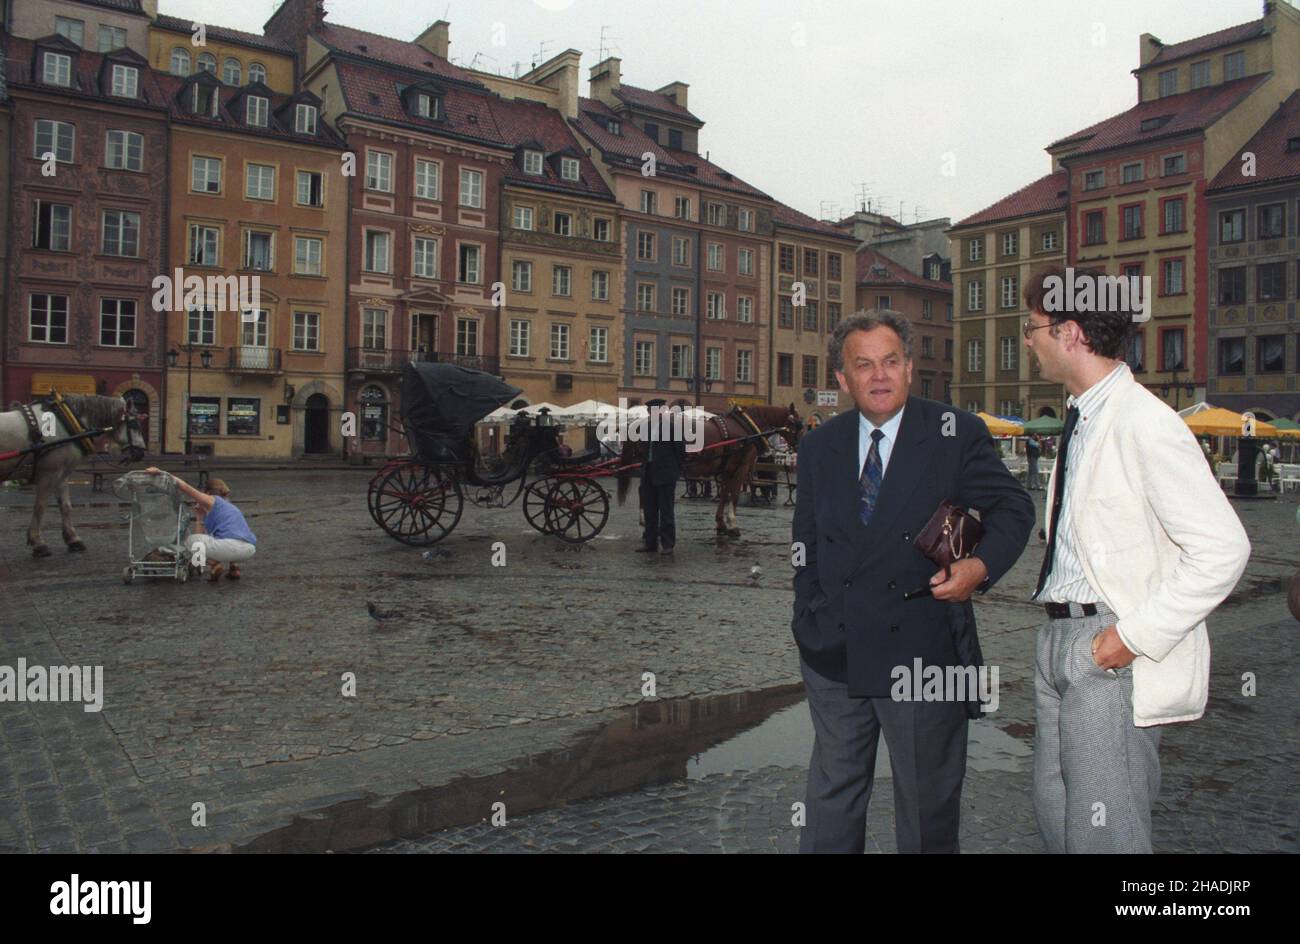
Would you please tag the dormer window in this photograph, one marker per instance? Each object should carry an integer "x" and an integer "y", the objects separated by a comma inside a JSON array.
[
  {"x": 203, "y": 100},
  {"x": 533, "y": 162},
  {"x": 1293, "y": 144},
  {"x": 256, "y": 109},
  {"x": 180, "y": 61},
  {"x": 231, "y": 72},
  {"x": 1151, "y": 124},
  {"x": 615, "y": 126},
  {"x": 304, "y": 119},
  {"x": 208, "y": 63},
  {"x": 126, "y": 81},
  {"x": 57, "y": 69},
  {"x": 426, "y": 106},
  {"x": 256, "y": 72},
  {"x": 569, "y": 168}
]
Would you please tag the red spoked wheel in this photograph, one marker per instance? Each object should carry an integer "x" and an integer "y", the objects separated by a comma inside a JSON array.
[
  {"x": 418, "y": 504},
  {"x": 372, "y": 492},
  {"x": 536, "y": 504},
  {"x": 576, "y": 509}
]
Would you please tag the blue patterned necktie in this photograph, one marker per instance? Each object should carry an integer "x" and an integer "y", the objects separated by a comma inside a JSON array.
[{"x": 869, "y": 482}]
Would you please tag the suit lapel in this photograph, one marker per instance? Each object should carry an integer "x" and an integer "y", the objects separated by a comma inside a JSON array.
[
  {"x": 1079, "y": 480},
  {"x": 845, "y": 471},
  {"x": 907, "y": 462}
]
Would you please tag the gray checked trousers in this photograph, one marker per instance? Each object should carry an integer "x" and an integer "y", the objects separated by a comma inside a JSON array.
[{"x": 1096, "y": 774}]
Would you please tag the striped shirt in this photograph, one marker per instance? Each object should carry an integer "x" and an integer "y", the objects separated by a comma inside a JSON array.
[{"x": 1067, "y": 583}]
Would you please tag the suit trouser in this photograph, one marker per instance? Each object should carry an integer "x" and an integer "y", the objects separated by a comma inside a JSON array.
[
  {"x": 660, "y": 523},
  {"x": 927, "y": 753},
  {"x": 1096, "y": 773}
]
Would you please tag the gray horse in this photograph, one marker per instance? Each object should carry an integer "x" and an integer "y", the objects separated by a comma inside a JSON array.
[{"x": 50, "y": 468}]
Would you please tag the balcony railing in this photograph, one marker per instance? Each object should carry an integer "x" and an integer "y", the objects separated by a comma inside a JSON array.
[
  {"x": 366, "y": 360},
  {"x": 254, "y": 359}
]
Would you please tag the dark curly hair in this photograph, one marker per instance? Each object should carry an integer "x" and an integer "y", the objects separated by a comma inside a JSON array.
[{"x": 1106, "y": 332}]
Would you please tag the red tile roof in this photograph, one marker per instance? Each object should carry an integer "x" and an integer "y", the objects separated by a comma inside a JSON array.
[
  {"x": 224, "y": 34},
  {"x": 657, "y": 101},
  {"x": 1273, "y": 159},
  {"x": 630, "y": 143},
  {"x": 522, "y": 122},
  {"x": 172, "y": 88},
  {"x": 129, "y": 6},
  {"x": 1042, "y": 196},
  {"x": 1216, "y": 40},
  {"x": 783, "y": 215},
  {"x": 1189, "y": 111},
  {"x": 385, "y": 49},
  {"x": 86, "y": 84},
  {"x": 711, "y": 175},
  {"x": 372, "y": 91},
  {"x": 893, "y": 274}
]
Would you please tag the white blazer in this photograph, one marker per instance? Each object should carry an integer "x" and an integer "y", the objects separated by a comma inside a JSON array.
[{"x": 1159, "y": 542}]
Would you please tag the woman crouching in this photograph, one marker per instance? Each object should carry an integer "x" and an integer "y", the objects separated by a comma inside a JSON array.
[{"x": 221, "y": 528}]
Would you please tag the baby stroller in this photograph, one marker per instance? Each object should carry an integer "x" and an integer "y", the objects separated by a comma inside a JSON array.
[{"x": 158, "y": 524}]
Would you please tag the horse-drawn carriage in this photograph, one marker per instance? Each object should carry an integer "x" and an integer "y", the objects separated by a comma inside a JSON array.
[{"x": 419, "y": 499}]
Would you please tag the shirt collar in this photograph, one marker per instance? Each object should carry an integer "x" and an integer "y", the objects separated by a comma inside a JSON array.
[
  {"x": 889, "y": 427},
  {"x": 1092, "y": 399}
]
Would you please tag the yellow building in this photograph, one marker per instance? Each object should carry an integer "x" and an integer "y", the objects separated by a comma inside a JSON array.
[{"x": 233, "y": 56}]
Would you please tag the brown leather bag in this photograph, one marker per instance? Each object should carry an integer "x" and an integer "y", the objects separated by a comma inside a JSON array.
[{"x": 951, "y": 534}]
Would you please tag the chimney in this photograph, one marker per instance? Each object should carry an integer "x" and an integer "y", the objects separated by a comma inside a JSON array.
[
  {"x": 1148, "y": 48},
  {"x": 150, "y": 8},
  {"x": 436, "y": 39},
  {"x": 605, "y": 79},
  {"x": 560, "y": 73},
  {"x": 291, "y": 22},
  {"x": 676, "y": 91}
]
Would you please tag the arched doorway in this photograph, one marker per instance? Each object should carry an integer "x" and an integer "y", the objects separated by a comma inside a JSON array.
[
  {"x": 1047, "y": 411},
  {"x": 374, "y": 418},
  {"x": 138, "y": 400},
  {"x": 316, "y": 425}
]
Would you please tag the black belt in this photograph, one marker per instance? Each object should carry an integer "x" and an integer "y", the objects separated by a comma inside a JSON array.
[{"x": 1062, "y": 610}]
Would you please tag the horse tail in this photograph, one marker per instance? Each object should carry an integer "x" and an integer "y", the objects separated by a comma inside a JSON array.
[{"x": 623, "y": 479}]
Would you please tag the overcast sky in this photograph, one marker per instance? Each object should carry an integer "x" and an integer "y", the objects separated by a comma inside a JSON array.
[{"x": 810, "y": 99}]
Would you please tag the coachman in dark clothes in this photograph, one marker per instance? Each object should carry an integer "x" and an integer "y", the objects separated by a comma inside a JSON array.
[{"x": 658, "y": 489}]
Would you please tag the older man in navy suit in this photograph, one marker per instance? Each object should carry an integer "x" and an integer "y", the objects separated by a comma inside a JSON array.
[{"x": 869, "y": 480}]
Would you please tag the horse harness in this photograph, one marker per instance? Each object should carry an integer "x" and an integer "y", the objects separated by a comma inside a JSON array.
[
  {"x": 745, "y": 420},
  {"x": 55, "y": 404}
]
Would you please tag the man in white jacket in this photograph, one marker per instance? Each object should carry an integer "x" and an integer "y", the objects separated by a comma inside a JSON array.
[{"x": 1142, "y": 545}]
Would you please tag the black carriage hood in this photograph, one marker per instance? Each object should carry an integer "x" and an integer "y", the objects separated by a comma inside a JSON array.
[{"x": 447, "y": 400}]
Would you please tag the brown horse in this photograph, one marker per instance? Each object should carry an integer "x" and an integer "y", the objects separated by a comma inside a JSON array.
[{"x": 731, "y": 464}]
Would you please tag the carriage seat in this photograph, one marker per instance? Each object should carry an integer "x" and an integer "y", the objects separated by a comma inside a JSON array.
[{"x": 586, "y": 457}]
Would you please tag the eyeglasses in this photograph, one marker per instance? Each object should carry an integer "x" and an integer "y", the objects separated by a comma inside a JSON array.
[{"x": 1027, "y": 329}]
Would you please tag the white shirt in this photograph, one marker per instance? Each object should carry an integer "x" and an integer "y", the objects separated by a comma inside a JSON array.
[
  {"x": 1067, "y": 582},
  {"x": 886, "y": 448}
]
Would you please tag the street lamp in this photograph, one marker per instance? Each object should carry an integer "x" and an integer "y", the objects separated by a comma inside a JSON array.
[
  {"x": 693, "y": 383},
  {"x": 205, "y": 358},
  {"x": 1173, "y": 382}
]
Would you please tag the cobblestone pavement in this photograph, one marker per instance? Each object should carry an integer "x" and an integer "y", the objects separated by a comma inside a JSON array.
[{"x": 231, "y": 695}]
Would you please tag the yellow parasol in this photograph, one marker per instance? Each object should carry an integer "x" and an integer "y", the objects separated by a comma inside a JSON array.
[
  {"x": 999, "y": 427},
  {"x": 1220, "y": 422}
]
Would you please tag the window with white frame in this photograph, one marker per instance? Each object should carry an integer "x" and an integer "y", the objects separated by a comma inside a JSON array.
[
  {"x": 232, "y": 72},
  {"x": 682, "y": 208},
  {"x": 1049, "y": 240},
  {"x": 1010, "y": 244},
  {"x": 374, "y": 329},
  {"x": 598, "y": 345},
  {"x": 376, "y": 251},
  {"x": 47, "y": 318},
  {"x": 715, "y": 306},
  {"x": 124, "y": 150},
  {"x": 311, "y": 188},
  {"x": 1008, "y": 286},
  {"x": 57, "y": 69},
  {"x": 121, "y": 233},
  {"x": 745, "y": 220},
  {"x": 715, "y": 256},
  {"x": 207, "y": 63},
  {"x": 117, "y": 322},
  {"x": 1234, "y": 66},
  {"x": 52, "y": 226},
  {"x": 205, "y": 174},
  {"x": 563, "y": 224},
  {"x": 645, "y": 246},
  {"x": 126, "y": 81},
  {"x": 599, "y": 285},
  {"x": 600, "y": 229},
  {"x": 258, "y": 251},
  {"x": 71, "y": 29},
  {"x": 308, "y": 252},
  {"x": 1131, "y": 173},
  {"x": 974, "y": 356},
  {"x": 681, "y": 300},
  {"x": 679, "y": 360},
  {"x": 428, "y": 183},
  {"x": 55, "y": 137},
  {"x": 260, "y": 182},
  {"x": 201, "y": 326},
  {"x": 975, "y": 296},
  {"x": 744, "y": 366},
  {"x": 560, "y": 341},
  {"x": 649, "y": 201},
  {"x": 681, "y": 251},
  {"x": 467, "y": 264},
  {"x": 1008, "y": 354},
  {"x": 927, "y": 310},
  {"x": 256, "y": 110},
  {"x": 205, "y": 243},
  {"x": 645, "y": 296},
  {"x": 467, "y": 337},
  {"x": 643, "y": 358},
  {"x": 745, "y": 261},
  {"x": 713, "y": 363},
  {"x": 716, "y": 214},
  {"x": 561, "y": 280},
  {"x": 111, "y": 38},
  {"x": 180, "y": 64},
  {"x": 1094, "y": 179},
  {"x": 519, "y": 337},
  {"x": 204, "y": 100},
  {"x": 1200, "y": 74},
  {"x": 521, "y": 275},
  {"x": 256, "y": 72},
  {"x": 304, "y": 119},
  {"x": 379, "y": 171},
  {"x": 306, "y": 331},
  {"x": 744, "y": 309},
  {"x": 523, "y": 217},
  {"x": 975, "y": 249},
  {"x": 424, "y": 257},
  {"x": 533, "y": 162},
  {"x": 568, "y": 168},
  {"x": 471, "y": 188},
  {"x": 1168, "y": 82}
]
